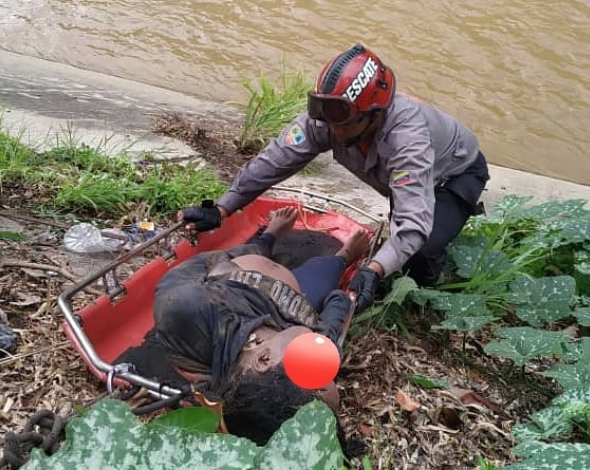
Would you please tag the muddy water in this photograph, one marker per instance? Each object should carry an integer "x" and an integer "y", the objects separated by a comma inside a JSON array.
[{"x": 516, "y": 71}]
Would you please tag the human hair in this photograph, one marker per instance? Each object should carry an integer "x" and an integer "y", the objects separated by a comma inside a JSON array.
[{"x": 255, "y": 405}]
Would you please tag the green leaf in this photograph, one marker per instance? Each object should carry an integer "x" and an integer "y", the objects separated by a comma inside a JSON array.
[
  {"x": 546, "y": 424},
  {"x": 572, "y": 208},
  {"x": 582, "y": 314},
  {"x": 12, "y": 236},
  {"x": 465, "y": 323},
  {"x": 192, "y": 419},
  {"x": 574, "y": 230},
  {"x": 542, "y": 300},
  {"x": 552, "y": 457},
  {"x": 524, "y": 343},
  {"x": 577, "y": 375},
  {"x": 574, "y": 402},
  {"x": 570, "y": 375},
  {"x": 428, "y": 383},
  {"x": 110, "y": 436},
  {"x": 455, "y": 305},
  {"x": 474, "y": 261},
  {"x": 307, "y": 441},
  {"x": 400, "y": 289},
  {"x": 509, "y": 206},
  {"x": 438, "y": 300}
]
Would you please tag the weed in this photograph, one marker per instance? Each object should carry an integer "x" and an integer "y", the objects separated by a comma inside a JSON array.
[
  {"x": 84, "y": 179},
  {"x": 484, "y": 464},
  {"x": 11, "y": 236},
  {"x": 270, "y": 109}
]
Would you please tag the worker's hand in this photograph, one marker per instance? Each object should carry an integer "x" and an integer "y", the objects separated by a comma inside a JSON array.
[
  {"x": 364, "y": 284},
  {"x": 202, "y": 219}
]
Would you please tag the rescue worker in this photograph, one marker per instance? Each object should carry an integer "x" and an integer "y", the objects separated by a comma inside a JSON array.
[
  {"x": 426, "y": 162},
  {"x": 224, "y": 318}
]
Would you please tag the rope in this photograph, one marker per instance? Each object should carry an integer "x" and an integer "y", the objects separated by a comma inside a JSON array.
[
  {"x": 45, "y": 429},
  {"x": 42, "y": 430}
]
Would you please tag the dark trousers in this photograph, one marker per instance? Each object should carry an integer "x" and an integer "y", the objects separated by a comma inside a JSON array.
[
  {"x": 456, "y": 200},
  {"x": 317, "y": 277}
]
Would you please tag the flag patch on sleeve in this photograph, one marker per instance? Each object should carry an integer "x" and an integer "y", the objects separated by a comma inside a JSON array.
[
  {"x": 295, "y": 135},
  {"x": 401, "y": 178}
]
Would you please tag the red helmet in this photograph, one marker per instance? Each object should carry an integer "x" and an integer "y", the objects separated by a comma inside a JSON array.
[{"x": 355, "y": 81}]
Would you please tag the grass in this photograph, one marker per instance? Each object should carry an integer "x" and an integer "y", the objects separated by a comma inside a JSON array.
[
  {"x": 74, "y": 177},
  {"x": 270, "y": 108}
]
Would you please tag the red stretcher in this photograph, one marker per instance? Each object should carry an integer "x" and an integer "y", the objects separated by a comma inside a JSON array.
[{"x": 119, "y": 318}]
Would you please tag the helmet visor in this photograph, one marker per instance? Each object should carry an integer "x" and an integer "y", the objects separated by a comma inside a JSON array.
[{"x": 331, "y": 109}]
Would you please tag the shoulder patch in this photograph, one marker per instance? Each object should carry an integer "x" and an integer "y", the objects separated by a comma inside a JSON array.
[
  {"x": 294, "y": 136},
  {"x": 400, "y": 178}
]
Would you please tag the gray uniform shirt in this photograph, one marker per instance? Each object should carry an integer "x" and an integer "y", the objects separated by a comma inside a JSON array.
[{"x": 417, "y": 148}]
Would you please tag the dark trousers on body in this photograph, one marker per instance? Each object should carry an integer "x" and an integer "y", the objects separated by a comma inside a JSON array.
[
  {"x": 317, "y": 277},
  {"x": 456, "y": 201}
]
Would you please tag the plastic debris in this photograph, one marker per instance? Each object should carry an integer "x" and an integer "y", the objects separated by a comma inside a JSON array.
[
  {"x": 141, "y": 232},
  {"x": 86, "y": 238}
]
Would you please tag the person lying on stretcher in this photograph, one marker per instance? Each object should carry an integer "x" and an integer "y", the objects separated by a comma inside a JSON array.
[{"x": 225, "y": 318}]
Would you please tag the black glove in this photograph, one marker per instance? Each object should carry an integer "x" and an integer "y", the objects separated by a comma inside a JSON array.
[
  {"x": 204, "y": 218},
  {"x": 334, "y": 313},
  {"x": 364, "y": 284}
]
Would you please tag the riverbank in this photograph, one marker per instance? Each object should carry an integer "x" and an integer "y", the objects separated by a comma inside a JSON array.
[{"x": 44, "y": 100}]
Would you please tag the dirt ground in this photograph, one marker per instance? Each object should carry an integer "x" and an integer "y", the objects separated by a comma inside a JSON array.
[{"x": 403, "y": 425}]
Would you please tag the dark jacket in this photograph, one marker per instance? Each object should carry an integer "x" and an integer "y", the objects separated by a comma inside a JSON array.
[
  {"x": 417, "y": 148},
  {"x": 205, "y": 321}
]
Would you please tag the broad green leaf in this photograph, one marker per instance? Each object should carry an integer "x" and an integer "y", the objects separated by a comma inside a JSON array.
[
  {"x": 438, "y": 300},
  {"x": 455, "y": 305},
  {"x": 462, "y": 305},
  {"x": 400, "y": 289},
  {"x": 570, "y": 375},
  {"x": 574, "y": 402},
  {"x": 110, "y": 436},
  {"x": 192, "y": 419},
  {"x": 465, "y": 323},
  {"x": 582, "y": 314},
  {"x": 509, "y": 206},
  {"x": 307, "y": 441},
  {"x": 577, "y": 375},
  {"x": 557, "y": 233},
  {"x": 473, "y": 261},
  {"x": 552, "y": 457},
  {"x": 573, "y": 230},
  {"x": 572, "y": 208},
  {"x": 546, "y": 424},
  {"x": 544, "y": 300},
  {"x": 524, "y": 343},
  {"x": 428, "y": 383}
]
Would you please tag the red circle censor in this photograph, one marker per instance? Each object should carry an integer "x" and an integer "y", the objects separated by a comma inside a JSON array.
[{"x": 311, "y": 361}]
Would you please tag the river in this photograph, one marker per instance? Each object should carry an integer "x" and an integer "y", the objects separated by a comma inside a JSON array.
[{"x": 516, "y": 71}]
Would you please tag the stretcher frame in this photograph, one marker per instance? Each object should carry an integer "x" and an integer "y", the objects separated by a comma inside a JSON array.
[{"x": 118, "y": 290}]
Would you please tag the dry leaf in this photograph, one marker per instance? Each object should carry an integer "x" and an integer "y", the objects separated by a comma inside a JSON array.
[
  {"x": 367, "y": 430},
  {"x": 407, "y": 403},
  {"x": 469, "y": 397},
  {"x": 26, "y": 300}
]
